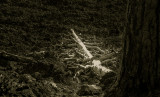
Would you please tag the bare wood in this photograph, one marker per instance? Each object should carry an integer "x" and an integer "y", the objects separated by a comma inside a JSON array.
[
  {"x": 104, "y": 57},
  {"x": 12, "y": 57},
  {"x": 108, "y": 60},
  {"x": 95, "y": 47},
  {"x": 81, "y": 44},
  {"x": 70, "y": 59}
]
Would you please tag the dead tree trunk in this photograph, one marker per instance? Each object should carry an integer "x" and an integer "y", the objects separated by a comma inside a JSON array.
[{"x": 140, "y": 73}]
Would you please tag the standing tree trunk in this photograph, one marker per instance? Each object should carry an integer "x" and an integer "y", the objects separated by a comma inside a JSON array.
[{"x": 140, "y": 73}]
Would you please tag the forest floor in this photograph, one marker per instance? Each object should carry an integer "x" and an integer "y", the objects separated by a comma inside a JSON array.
[
  {"x": 69, "y": 77},
  {"x": 39, "y": 57}
]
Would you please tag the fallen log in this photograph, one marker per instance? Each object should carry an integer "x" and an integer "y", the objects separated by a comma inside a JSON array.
[
  {"x": 70, "y": 59},
  {"x": 12, "y": 57}
]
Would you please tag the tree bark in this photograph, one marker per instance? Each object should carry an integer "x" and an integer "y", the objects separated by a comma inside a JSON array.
[{"x": 140, "y": 72}]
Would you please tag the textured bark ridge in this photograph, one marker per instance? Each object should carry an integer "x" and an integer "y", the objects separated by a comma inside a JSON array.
[{"x": 140, "y": 74}]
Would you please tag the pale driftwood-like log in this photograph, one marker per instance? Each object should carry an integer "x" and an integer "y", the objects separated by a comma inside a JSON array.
[
  {"x": 81, "y": 44},
  {"x": 12, "y": 57}
]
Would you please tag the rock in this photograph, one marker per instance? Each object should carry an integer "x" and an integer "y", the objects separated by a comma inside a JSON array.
[{"x": 87, "y": 90}]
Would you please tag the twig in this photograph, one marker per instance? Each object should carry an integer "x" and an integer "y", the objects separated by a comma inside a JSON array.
[
  {"x": 108, "y": 60},
  {"x": 92, "y": 44}
]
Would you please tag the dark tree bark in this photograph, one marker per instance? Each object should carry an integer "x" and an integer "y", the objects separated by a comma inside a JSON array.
[{"x": 140, "y": 73}]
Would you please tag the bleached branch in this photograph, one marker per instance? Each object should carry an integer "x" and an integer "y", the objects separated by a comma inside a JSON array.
[{"x": 81, "y": 44}]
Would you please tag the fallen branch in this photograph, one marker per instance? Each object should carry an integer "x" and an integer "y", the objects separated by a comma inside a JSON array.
[
  {"x": 92, "y": 44},
  {"x": 70, "y": 59},
  {"x": 108, "y": 56},
  {"x": 96, "y": 63},
  {"x": 12, "y": 57},
  {"x": 81, "y": 44},
  {"x": 71, "y": 45},
  {"x": 17, "y": 58},
  {"x": 108, "y": 60},
  {"x": 95, "y": 47}
]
